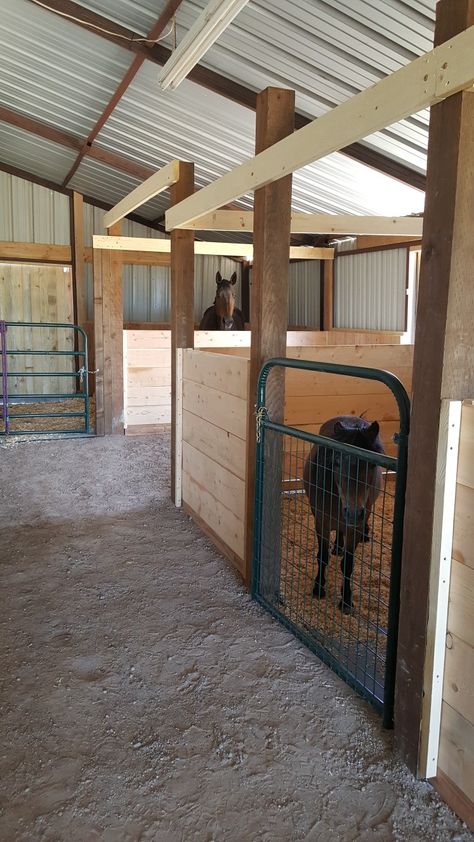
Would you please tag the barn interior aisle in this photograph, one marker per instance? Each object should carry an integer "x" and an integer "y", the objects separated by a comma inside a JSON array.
[{"x": 145, "y": 697}]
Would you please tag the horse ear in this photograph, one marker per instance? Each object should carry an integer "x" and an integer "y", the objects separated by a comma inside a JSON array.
[
  {"x": 218, "y": 277},
  {"x": 373, "y": 430},
  {"x": 233, "y": 279}
]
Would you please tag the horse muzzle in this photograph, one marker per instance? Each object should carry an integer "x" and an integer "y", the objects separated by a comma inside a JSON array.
[{"x": 353, "y": 517}]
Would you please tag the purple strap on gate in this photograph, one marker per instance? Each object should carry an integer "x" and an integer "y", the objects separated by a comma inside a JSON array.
[{"x": 3, "y": 343}]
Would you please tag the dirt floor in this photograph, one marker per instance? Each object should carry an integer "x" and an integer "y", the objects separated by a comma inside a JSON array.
[{"x": 145, "y": 697}]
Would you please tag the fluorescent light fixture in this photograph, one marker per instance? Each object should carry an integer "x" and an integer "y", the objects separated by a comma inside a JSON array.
[{"x": 213, "y": 20}]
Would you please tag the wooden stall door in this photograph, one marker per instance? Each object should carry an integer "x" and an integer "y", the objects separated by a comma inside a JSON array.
[
  {"x": 37, "y": 293},
  {"x": 455, "y": 776}
]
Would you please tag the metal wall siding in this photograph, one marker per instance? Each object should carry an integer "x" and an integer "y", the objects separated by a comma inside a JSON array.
[
  {"x": 30, "y": 213},
  {"x": 304, "y": 291},
  {"x": 370, "y": 290}
]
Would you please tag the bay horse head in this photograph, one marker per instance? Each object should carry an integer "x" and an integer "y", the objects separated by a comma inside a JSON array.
[
  {"x": 349, "y": 473},
  {"x": 224, "y": 302}
]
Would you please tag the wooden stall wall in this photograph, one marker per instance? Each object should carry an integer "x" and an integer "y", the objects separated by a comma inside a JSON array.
[
  {"x": 215, "y": 418},
  {"x": 147, "y": 380},
  {"x": 38, "y": 293},
  {"x": 455, "y": 777},
  {"x": 312, "y": 398}
]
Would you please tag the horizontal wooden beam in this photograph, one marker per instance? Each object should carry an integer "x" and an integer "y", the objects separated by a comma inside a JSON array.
[
  {"x": 34, "y": 252},
  {"x": 315, "y": 223},
  {"x": 151, "y": 244},
  {"x": 153, "y": 186},
  {"x": 136, "y": 258},
  {"x": 433, "y": 77}
]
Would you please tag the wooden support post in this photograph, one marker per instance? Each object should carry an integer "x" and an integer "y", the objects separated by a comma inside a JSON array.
[
  {"x": 108, "y": 340},
  {"x": 275, "y": 116},
  {"x": 182, "y": 318},
  {"x": 79, "y": 282},
  {"x": 78, "y": 264},
  {"x": 443, "y": 366},
  {"x": 328, "y": 295},
  {"x": 245, "y": 291}
]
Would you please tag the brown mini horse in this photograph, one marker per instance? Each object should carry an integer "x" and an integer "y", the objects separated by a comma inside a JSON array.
[
  {"x": 342, "y": 490},
  {"x": 223, "y": 315}
]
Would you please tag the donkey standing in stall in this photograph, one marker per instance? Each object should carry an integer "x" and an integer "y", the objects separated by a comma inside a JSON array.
[
  {"x": 342, "y": 490},
  {"x": 223, "y": 315}
]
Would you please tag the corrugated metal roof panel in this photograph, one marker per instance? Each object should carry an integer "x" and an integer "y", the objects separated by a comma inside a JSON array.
[
  {"x": 370, "y": 290},
  {"x": 34, "y": 154},
  {"x": 326, "y": 52},
  {"x": 32, "y": 214},
  {"x": 55, "y": 71},
  {"x": 138, "y": 15},
  {"x": 153, "y": 126}
]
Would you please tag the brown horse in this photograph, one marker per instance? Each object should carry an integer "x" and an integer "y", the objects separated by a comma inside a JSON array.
[
  {"x": 342, "y": 490},
  {"x": 223, "y": 315}
]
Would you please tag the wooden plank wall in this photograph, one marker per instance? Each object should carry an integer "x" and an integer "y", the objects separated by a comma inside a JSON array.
[
  {"x": 455, "y": 779},
  {"x": 38, "y": 293},
  {"x": 215, "y": 400},
  {"x": 147, "y": 380}
]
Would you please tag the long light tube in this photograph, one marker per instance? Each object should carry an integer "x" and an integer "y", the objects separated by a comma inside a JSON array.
[{"x": 213, "y": 20}]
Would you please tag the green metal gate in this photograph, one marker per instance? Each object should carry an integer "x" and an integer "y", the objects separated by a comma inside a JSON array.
[
  {"x": 20, "y": 408},
  {"x": 358, "y": 642}
]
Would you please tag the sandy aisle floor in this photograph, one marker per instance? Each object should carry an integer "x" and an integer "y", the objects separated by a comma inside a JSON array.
[{"x": 145, "y": 697}]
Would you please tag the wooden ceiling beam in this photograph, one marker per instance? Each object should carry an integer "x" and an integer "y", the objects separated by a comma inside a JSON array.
[
  {"x": 37, "y": 127},
  {"x": 219, "y": 84}
]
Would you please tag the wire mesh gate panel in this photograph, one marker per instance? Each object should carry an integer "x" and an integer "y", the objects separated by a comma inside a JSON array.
[
  {"x": 44, "y": 368},
  {"x": 328, "y": 536}
]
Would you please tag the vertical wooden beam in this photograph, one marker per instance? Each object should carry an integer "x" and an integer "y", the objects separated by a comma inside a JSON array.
[
  {"x": 182, "y": 317},
  {"x": 78, "y": 263},
  {"x": 275, "y": 117},
  {"x": 328, "y": 294},
  {"x": 443, "y": 365},
  {"x": 245, "y": 288},
  {"x": 108, "y": 339}
]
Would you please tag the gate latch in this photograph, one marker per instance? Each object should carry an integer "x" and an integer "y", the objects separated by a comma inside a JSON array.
[
  {"x": 83, "y": 371},
  {"x": 260, "y": 416}
]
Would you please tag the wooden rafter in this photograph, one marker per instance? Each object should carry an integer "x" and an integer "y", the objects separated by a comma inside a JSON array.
[
  {"x": 430, "y": 79},
  {"x": 49, "y": 132},
  {"x": 132, "y": 71},
  {"x": 219, "y": 84},
  {"x": 153, "y": 186}
]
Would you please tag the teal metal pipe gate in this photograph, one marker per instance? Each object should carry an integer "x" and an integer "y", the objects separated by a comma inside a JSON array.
[
  {"x": 10, "y": 398},
  {"x": 359, "y": 645}
]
